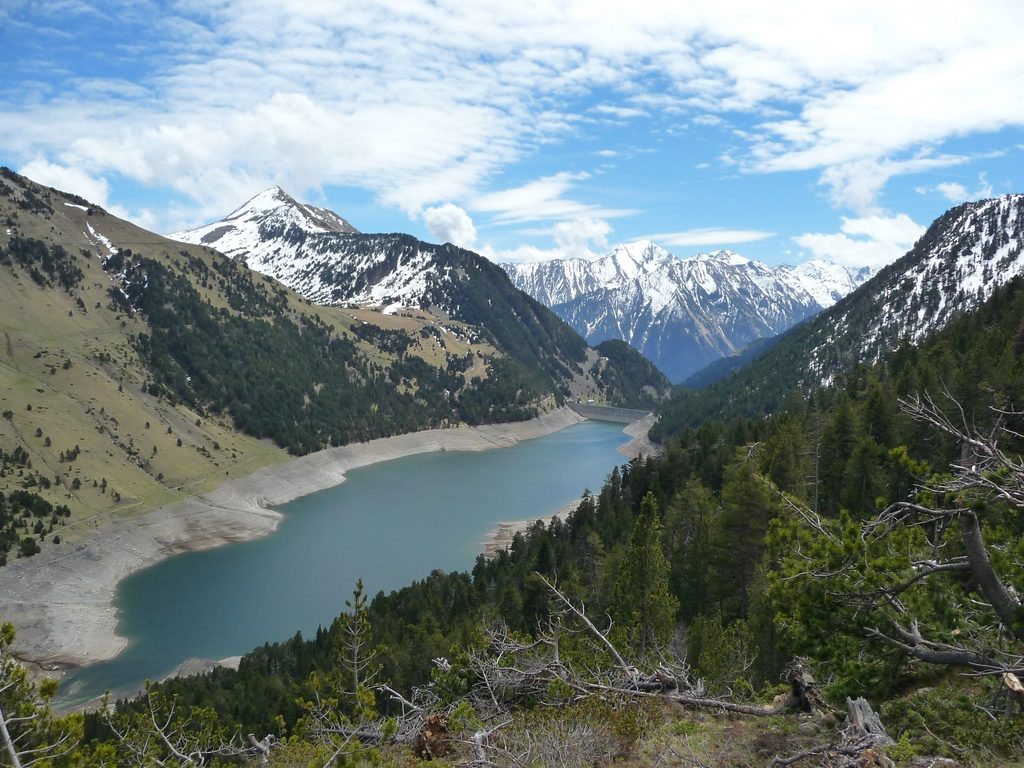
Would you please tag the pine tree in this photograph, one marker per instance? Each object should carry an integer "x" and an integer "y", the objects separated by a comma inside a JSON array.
[
  {"x": 356, "y": 656},
  {"x": 688, "y": 523},
  {"x": 643, "y": 606},
  {"x": 737, "y": 542}
]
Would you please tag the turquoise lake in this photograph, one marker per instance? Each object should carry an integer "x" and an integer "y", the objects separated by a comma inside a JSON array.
[{"x": 388, "y": 524}]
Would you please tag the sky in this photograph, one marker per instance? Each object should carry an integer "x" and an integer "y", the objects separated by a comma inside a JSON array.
[{"x": 529, "y": 130}]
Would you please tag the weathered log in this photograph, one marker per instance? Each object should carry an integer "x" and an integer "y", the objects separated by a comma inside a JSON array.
[{"x": 659, "y": 682}]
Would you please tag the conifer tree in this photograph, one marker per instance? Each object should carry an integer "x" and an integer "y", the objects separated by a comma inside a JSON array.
[
  {"x": 748, "y": 505},
  {"x": 643, "y": 605},
  {"x": 689, "y": 521}
]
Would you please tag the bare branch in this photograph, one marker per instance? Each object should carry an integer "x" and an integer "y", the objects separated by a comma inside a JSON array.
[
  {"x": 601, "y": 637},
  {"x": 923, "y": 572},
  {"x": 913, "y": 644}
]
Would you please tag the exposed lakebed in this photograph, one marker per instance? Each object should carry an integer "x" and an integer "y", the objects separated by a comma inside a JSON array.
[{"x": 389, "y": 524}]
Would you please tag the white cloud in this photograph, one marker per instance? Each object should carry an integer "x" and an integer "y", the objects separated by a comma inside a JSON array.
[
  {"x": 708, "y": 120},
  {"x": 952, "y": 191},
  {"x": 94, "y": 189},
  {"x": 857, "y": 184},
  {"x": 955, "y": 192},
  {"x": 575, "y": 239},
  {"x": 523, "y": 254},
  {"x": 450, "y": 224},
  {"x": 709, "y": 236},
  {"x": 984, "y": 187},
  {"x": 870, "y": 241},
  {"x": 68, "y": 179},
  {"x": 541, "y": 199},
  {"x": 242, "y": 93},
  {"x": 582, "y": 238},
  {"x": 621, "y": 113}
]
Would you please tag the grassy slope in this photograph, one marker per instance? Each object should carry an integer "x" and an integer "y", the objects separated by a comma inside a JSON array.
[{"x": 97, "y": 402}]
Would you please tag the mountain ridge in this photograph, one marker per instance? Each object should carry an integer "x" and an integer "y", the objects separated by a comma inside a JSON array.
[
  {"x": 964, "y": 255},
  {"x": 682, "y": 313},
  {"x": 338, "y": 266}
]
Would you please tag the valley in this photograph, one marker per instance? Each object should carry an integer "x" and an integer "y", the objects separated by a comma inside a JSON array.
[
  {"x": 389, "y": 523},
  {"x": 214, "y": 459},
  {"x": 424, "y": 383},
  {"x": 137, "y": 360},
  {"x": 136, "y": 370}
]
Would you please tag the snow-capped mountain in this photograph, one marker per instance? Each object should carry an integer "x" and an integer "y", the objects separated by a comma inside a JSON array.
[
  {"x": 956, "y": 265},
  {"x": 253, "y": 232},
  {"x": 682, "y": 313},
  {"x": 966, "y": 253},
  {"x": 322, "y": 257}
]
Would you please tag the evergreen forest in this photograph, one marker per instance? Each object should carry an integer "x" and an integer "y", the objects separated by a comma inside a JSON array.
[{"x": 868, "y": 535}]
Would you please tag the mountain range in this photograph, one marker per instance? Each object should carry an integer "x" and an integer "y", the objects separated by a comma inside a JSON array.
[
  {"x": 963, "y": 257},
  {"x": 325, "y": 259},
  {"x": 137, "y": 370},
  {"x": 680, "y": 313},
  {"x": 683, "y": 314}
]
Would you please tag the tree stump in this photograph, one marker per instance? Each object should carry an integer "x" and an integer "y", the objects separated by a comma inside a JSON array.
[
  {"x": 1014, "y": 693},
  {"x": 432, "y": 741},
  {"x": 803, "y": 691},
  {"x": 862, "y": 724}
]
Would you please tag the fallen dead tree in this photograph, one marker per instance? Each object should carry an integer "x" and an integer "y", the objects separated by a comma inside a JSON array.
[{"x": 510, "y": 670}]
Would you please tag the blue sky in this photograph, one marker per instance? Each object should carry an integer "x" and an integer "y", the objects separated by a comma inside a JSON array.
[{"x": 529, "y": 130}]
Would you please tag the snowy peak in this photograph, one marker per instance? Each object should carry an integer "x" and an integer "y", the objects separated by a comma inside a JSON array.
[
  {"x": 643, "y": 254},
  {"x": 267, "y": 200},
  {"x": 274, "y": 202},
  {"x": 824, "y": 281},
  {"x": 681, "y": 313},
  {"x": 629, "y": 262},
  {"x": 728, "y": 258},
  {"x": 243, "y": 233}
]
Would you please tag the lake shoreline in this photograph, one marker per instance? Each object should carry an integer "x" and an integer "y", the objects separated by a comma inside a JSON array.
[
  {"x": 62, "y": 601},
  {"x": 500, "y": 538}
]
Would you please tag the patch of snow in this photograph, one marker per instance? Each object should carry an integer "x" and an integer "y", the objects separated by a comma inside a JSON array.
[
  {"x": 102, "y": 240},
  {"x": 79, "y": 207}
]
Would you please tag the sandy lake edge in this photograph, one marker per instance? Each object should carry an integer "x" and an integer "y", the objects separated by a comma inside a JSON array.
[
  {"x": 62, "y": 600},
  {"x": 639, "y": 445}
]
